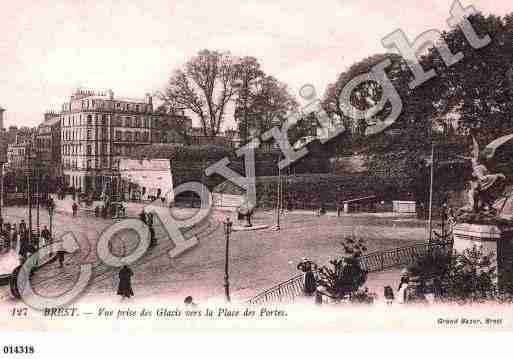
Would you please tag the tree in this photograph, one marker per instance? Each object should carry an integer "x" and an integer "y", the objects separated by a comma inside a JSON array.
[
  {"x": 262, "y": 102},
  {"x": 248, "y": 71},
  {"x": 367, "y": 94},
  {"x": 468, "y": 276},
  {"x": 175, "y": 122},
  {"x": 471, "y": 275},
  {"x": 203, "y": 87},
  {"x": 478, "y": 88}
]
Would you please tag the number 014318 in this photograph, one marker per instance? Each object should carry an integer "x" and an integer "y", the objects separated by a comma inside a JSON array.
[{"x": 18, "y": 349}]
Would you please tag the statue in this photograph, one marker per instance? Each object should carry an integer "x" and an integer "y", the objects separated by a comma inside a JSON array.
[{"x": 485, "y": 187}]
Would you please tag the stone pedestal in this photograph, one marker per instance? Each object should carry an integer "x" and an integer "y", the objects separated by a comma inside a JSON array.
[{"x": 494, "y": 238}]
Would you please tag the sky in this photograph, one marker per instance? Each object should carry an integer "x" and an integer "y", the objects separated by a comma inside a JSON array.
[{"x": 48, "y": 48}]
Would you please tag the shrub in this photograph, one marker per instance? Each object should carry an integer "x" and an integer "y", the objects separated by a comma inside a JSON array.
[
  {"x": 472, "y": 276},
  {"x": 343, "y": 277},
  {"x": 466, "y": 277}
]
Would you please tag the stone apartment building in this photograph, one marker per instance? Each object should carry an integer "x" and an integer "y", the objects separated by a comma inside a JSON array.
[
  {"x": 17, "y": 152},
  {"x": 97, "y": 130},
  {"x": 48, "y": 144}
]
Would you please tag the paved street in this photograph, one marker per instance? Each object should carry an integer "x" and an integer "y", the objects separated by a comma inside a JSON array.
[{"x": 258, "y": 259}]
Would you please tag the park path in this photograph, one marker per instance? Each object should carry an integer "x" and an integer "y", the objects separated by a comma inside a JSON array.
[{"x": 258, "y": 259}]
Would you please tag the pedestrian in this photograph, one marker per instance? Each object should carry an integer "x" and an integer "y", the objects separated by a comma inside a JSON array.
[
  {"x": 60, "y": 257},
  {"x": 46, "y": 236},
  {"x": 388, "y": 293},
  {"x": 153, "y": 239},
  {"x": 142, "y": 217},
  {"x": 23, "y": 226},
  {"x": 104, "y": 212},
  {"x": 188, "y": 301},
  {"x": 149, "y": 219},
  {"x": 125, "y": 282},
  {"x": 402, "y": 290},
  {"x": 310, "y": 282},
  {"x": 13, "y": 233},
  {"x": 24, "y": 245},
  {"x": 74, "y": 209},
  {"x": 319, "y": 293}
]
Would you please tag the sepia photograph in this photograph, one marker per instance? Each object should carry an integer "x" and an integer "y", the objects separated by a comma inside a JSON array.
[{"x": 182, "y": 166}]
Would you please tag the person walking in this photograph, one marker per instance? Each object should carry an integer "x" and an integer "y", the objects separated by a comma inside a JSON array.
[
  {"x": 310, "y": 282},
  {"x": 142, "y": 217},
  {"x": 74, "y": 209},
  {"x": 125, "y": 282},
  {"x": 388, "y": 292},
  {"x": 189, "y": 302},
  {"x": 24, "y": 245},
  {"x": 153, "y": 239},
  {"x": 402, "y": 290},
  {"x": 60, "y": 257},
  {"x": 23, "y": 226},
  {"x": 13, "y": 234},
  {"x": 46, "y": 237}
]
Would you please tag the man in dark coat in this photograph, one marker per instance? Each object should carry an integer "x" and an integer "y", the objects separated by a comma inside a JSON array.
[
  {"x": 45, "y": 233},
  {"x": 153, "y": 239},
  {"x": 23, "y": 226},
  {"x": 310, "y": 282},
  {"x": 125, "y": 282},
  {"x": 142, "y": 217},
  {"x": 60, "y": 257}
]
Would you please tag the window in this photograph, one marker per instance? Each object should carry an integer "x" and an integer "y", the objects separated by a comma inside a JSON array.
[
  {"x": 118, "y": 135},
  {"x": 89, "y": 134},
  {"x": 89, "y": 120},
  {"x": 145, "y": 137},
  {"x": 89, "y": 150},
  {"x": 147, "y": 122},
  {"x": 137, "y": 137},
  {"x": 128, "y": 136}
]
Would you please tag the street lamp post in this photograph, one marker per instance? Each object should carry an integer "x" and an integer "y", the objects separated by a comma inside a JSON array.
[
  {"x": 50, "y": 216},
  {"x": 227, "y": 230},
  {"x": 278, "y": 205}
]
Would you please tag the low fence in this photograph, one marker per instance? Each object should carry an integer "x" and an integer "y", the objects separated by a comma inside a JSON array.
[{"x": 372, "y": 262}]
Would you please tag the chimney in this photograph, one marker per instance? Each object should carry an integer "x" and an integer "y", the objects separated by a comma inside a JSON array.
[
  {"x": 111, "y": 94},
  {"x": 2, "y": 118},
  {"x": 149, "y": 99}
]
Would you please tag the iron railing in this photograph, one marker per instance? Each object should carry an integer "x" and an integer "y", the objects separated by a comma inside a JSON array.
[{"x": 372, "y": 262}]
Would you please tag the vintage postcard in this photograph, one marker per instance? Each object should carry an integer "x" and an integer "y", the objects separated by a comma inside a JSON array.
[{"x": 339, "y": 166}]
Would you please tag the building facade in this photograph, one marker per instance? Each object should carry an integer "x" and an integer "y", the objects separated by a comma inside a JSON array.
[
  {"x": 97, "y": 130},
  {"x": 48, "y": 144},
  {"x": 3, "y": 139},
  {"x": 18, "y": 153}
]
